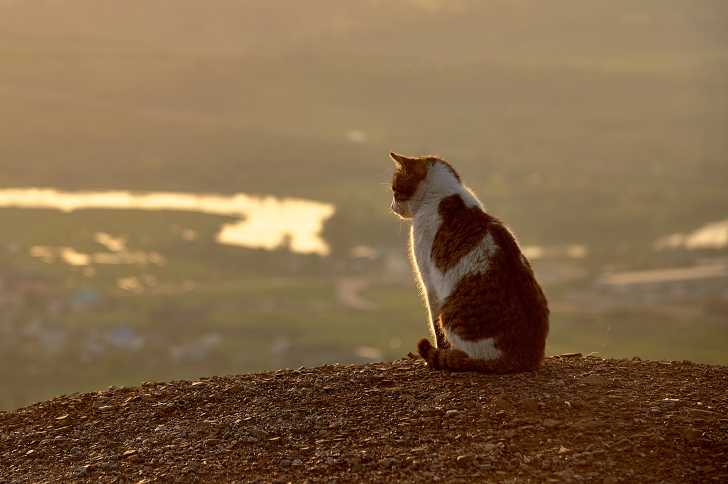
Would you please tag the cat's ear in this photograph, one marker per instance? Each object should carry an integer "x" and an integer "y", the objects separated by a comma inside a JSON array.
[{"x": 399, "y": 160}]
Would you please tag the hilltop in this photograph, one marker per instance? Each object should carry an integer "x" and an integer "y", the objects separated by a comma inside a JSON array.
[{"x": 576, "y": 418}]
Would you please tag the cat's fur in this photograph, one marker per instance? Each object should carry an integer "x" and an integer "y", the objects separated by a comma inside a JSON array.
[{"x": 487, "y": 312}]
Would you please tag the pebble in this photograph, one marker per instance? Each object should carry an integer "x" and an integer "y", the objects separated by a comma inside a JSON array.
[
  {"x": 464, "y": 458},
  {"x": 595, "y": 380},
  {"x": 551, "y": 423},
  {"x": 690, "y": 434},
  {"x": 83, "y": 471},
  {"x": 109, "y": 466},
  {"x": 530, "y": 404},
  {"x": 499, "y": 403},
  {"x": 388, "y": 462}
]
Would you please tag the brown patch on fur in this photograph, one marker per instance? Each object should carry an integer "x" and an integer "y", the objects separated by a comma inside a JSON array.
[
  {"x": 407, "y": 177},
  {"x": 505, "y": 303},
  {"x": 440, "y": 337},
  {"x": 461, "y": 230},
  {"x": 411, "y": 171}
]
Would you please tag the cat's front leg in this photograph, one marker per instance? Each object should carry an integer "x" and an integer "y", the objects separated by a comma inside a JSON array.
[
  {"x": 433, "y": 307},
  {"x": 440, "y": 338}
]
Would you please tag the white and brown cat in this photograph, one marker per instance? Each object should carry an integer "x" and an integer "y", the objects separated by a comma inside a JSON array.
[{"x": 487, "y": 312}]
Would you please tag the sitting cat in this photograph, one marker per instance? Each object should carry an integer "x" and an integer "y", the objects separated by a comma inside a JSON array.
[{"x": 487, "y": 312}]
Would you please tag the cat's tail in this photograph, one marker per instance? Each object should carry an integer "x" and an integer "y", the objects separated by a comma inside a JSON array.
[{"x": 458, "y": 360}]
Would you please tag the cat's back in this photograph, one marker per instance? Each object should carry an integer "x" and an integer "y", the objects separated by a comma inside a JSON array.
[
  {"x": 476, "y": 252},
  {"x": 497, "y": 294}
]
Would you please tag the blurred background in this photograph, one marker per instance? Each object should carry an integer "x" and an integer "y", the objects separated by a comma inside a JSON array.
[{"x": 192, "y": 188}]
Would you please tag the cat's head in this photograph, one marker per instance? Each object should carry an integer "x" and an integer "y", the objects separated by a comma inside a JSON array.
[{"x": 416, "y": 178}]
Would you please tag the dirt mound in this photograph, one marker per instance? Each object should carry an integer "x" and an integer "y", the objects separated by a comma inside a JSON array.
[{"x": 577, "y": 418}]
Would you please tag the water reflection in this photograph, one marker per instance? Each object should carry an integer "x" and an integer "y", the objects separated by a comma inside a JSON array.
[
  {"x": 73, "y": 257},
  {"x": 571, "y": 251},
  {"x": 711, "y": 236},
  {"x": 266, "y": 222},
  {"x": 700, "y": 272},
  {"x": 114, "y": 244}
]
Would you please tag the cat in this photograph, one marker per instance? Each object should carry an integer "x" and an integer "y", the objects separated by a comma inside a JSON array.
[{"x": 486, "y": 310}]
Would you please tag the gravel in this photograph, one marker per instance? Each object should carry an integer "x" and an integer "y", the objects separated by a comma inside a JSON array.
[{"x": 575, "y": 419}]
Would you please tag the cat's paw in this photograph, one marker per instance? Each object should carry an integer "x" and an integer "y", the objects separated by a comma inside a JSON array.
[{"x": 425, "y": 348}]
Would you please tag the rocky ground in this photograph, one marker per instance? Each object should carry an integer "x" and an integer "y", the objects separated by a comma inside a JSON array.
[{"x": 575, "y": 419}]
